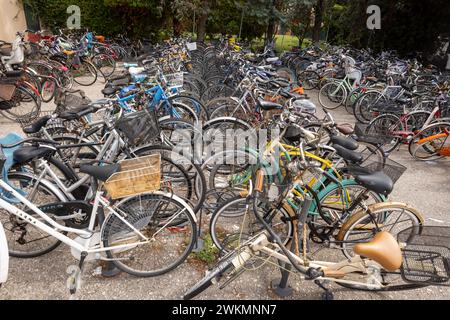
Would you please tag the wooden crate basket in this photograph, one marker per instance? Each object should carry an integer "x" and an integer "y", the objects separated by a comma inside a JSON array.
[
  {"x": 7, "y": 91},
  {"x": 136, "y": 176}
]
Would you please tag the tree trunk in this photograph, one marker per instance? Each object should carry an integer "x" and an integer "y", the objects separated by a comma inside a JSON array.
[
  {"x": 201, "y": 27},
  {"x": 270, "y": 31},
  {"x": 304, "y": 32},
  {"x": 177, "y": 26},
  {"x": 318, "y": 19}
]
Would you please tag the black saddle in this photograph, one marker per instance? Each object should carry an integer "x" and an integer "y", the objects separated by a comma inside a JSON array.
[
  {"x": 293, "y": 133},
  {"x": 348, "y": 155},
  {"x": 37, "y": 125},
  {"x": 101, "y": 173},
  {"x": 76, "y": 113},
  {"x": 28, "y": 153},
  {"x": 267, "y": 105},
  {"x": 345, "y": 142},
  {"x": 377, "y": 182},
  {"x": 280, "y": 83},
  {"x": 123, "y": 81},
  {"x": 108, "y": 91},
  {"x": 13, "y": 74}
]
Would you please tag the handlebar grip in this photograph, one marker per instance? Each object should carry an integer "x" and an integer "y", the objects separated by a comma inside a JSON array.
[{"x": 259, "y": 180}]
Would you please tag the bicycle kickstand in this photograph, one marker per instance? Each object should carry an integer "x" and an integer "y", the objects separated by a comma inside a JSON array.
[
  {"x": 327, "y": 294},
  {"x": 74, "y": 280}
]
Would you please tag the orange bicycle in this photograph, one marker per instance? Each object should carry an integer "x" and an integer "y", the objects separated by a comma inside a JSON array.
[{"x": 432, "y": 142}]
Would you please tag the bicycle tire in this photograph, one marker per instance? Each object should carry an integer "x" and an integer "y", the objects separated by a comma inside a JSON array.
[
  {"x": 215, "y": 274},
  {"x": 114, "y": 226}
]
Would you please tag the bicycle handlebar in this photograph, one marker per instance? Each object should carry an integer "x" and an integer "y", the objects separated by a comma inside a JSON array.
[{"x": 37, "y": 140}]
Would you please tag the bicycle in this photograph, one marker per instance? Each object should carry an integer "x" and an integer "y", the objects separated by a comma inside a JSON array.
[
  {"x": 370, "y": 266},
  {"x": 138, "y": 218}
]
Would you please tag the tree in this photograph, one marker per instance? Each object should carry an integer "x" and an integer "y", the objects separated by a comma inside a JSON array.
[
  {"x": 298, "y": 14},
  {"x": 319, "y": 10}
]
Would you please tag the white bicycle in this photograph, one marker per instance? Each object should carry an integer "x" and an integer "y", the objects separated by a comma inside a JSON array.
[{"x": 142, "y": 233}]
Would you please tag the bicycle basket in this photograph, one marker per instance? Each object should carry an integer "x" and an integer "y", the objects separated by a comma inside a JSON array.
[
  {"x": 136, "y": 176},
  {"x": 66, "y": 101},
  {"x": 53, "y": 125},
  {"x": 426, "y": 254},
  {"x": 391, "y": 168},
  {"x": 174, "y": 80},
  {"x": 374, "y": 138},
  {"x": 7, "y": 91},
  {"x": 139, "y": 127}
]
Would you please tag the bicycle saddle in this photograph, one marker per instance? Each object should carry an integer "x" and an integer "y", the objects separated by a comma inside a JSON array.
[
  {"x": 101, "y": 173},
  {"x": 377, "y": 181},
  {"x": 77, "y": 113},
  {"x": 28, "y": 153},
  {"x": 383, "y": 249},
  {"x": 345, "y": 128},
  {"x": 347, "y": 154},
  {"x": 345, "y": 142},
  {"x": 267, "y": 105},
  {"x": 110, "y": 90},
  {"x": 13, "y": 74},
  {"x": 37, "y": 125}
]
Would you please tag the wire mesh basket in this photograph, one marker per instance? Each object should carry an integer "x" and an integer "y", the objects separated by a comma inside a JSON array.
[
  {"x": 136, "y": 176},
  {"x": 426, "y": 254},
  {"x": 139, "y": 127},
  {"x": 363, "y": 135},
  {"x": 174, "y": 80},
  {"x": 389, "y": 167}
]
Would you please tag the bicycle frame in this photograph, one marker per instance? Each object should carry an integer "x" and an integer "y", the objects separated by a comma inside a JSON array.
[
  {"x": 53, "y": 228},
  {"x": 339, "y": 269}
]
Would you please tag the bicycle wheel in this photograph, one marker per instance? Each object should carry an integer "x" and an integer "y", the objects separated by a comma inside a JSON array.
[
  {"x": 48, "y": 90},
  {"x": 219, "y": 90},
  {"x": 389, "y": 128},
  {"x": 363, "y": 106},
  {"x": 164, "y": 220},
  {"x": 225, "y": 265},
  {"x": 333, "y": 202},
  {"x": 429, "y": 143},
  {"x": 371, "y": 153},
  {"x": 24, "y": 239},
  {"x": 309, "y": 79},
  {"x": 351, "y": 99},
  {"x": 362, "y": 226},
  {"x": 24, "y": 105},
  {"x": 84, "y": 74},
  {"x": 104, "y": 63},
  {"x": 234, "y": 222},
  {"x": 332, "y": 95}
]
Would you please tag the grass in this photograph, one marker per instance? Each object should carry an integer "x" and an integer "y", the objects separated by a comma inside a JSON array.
[
  {"x": 209, "y": 252},
  {"x": 282, "y": 43}
]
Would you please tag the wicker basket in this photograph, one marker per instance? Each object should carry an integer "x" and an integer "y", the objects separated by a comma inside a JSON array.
[
  {"x": 7, "y": 91},
  {"x": 136, "y": 176}
]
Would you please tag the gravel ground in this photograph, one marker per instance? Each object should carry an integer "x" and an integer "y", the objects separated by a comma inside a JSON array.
[{"x": 424, "y": 185}]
